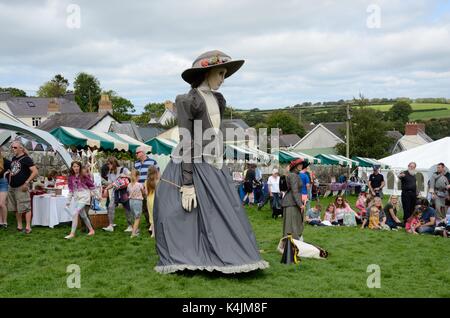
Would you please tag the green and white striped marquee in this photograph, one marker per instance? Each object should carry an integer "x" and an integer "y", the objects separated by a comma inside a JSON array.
[
  {"x": 337, "y": 160},
  {"x": 369, "y": 162},
  {"x": 83, "y": 138}
]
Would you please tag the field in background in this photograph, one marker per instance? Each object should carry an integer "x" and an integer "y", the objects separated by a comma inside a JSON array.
[{"x": 422, "y": 111}]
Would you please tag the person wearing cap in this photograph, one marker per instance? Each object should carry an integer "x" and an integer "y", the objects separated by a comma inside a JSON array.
[
  {"x": 293, "y": 210},
  {"x": 142, "y": 164},
  {"x": 376, "y": 182},
  {"x": 274, "y": 192},
  {"x": 199, "y": 221}
]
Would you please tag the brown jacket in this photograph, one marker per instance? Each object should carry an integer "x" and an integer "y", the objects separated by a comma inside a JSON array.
[{"x": 292, "y": 196}]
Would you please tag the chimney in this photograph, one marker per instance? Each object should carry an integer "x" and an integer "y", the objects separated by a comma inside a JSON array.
[
  {"x": 105, "y": 104},
  {"x": 412, "y": 128},
  {"x": 53, "y": 106},
  {"x": 4, "y": 96},
  {"x": 69, "y": 96},
  {"x": 169, "y": 105}
]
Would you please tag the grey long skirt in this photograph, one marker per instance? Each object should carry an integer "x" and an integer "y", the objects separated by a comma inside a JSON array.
[
  {"x": 215, "y": 236},
  {"x": 292, "y": 222}
]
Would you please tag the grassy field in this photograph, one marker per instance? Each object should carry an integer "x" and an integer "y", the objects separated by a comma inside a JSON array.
[
  {"x": 113, "y": 265},
  {"x": 436, "y": 110}
]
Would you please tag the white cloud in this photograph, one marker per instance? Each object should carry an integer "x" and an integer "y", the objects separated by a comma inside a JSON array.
[{"x": 295, "y": 51}]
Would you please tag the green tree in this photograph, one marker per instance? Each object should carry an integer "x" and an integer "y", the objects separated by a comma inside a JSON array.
[
  {"x": 367, "y": 135},
  {"x": 87, "y": 92},
  {"x": 400, "y": 111},
  {"x": 286, "y": 122},
  {"x": 56, "y": 87},
  {"x": 251, "y": 117},
  {"x": 150, "y": 110},
  {"x": 15, "y": 92},
  {"x": 122, "y": 107}
]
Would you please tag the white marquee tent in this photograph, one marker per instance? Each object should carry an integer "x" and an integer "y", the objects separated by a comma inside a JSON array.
[{"x": 425, "y": 156}]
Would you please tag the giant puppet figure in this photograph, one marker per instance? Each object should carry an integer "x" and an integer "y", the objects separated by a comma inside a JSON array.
[{"x": 200, "y": 223}]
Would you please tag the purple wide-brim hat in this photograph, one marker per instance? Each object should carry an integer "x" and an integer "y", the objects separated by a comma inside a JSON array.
[{"x": 208, "y": 61}]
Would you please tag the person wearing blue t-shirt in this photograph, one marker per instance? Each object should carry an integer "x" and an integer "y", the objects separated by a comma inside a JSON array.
[
  {"x": 428, "y": 218},
  {"x": 141, "y": 165},
  {"x": 306, "y": 184}
]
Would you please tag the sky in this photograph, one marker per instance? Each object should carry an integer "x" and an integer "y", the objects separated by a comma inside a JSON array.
[{"x": 294, "y": 51}]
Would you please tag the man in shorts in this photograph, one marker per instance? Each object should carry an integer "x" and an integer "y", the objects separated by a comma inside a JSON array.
[{"x": 20, "y": 176}]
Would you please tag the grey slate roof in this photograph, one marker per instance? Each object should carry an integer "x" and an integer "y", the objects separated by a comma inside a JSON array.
[
  {"x": 336, "y": 128},
  {"x": 74, "y": 120},
  {"x": 127, "y": 128},
  {"x": 23, "y": 106},
  {"x": 288, "y": 140},
  {"x": 149, "y": 132},
  {"x": 394, "y": 134}
]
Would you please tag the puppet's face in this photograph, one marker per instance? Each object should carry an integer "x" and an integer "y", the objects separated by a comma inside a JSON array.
[{"x": 216, "y": 77}]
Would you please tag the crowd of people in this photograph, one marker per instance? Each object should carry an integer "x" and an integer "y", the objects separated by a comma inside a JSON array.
[
  {"x": 291, "y": 196},
  {"x": 134, "y": 190}
]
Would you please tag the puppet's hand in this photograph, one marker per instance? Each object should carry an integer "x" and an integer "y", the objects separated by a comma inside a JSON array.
[{"x": 188, "y": 198}]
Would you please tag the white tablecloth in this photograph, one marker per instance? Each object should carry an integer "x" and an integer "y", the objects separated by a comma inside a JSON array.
[{"x": 50, "y": 210}]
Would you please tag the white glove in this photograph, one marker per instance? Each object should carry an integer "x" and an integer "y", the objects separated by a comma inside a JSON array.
[{"x": 188, "y": 198}]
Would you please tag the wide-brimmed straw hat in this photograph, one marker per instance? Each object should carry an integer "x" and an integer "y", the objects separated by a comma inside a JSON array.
[
  {"x": 208, "y": 61},
  {"x": 296, "y": 162}
]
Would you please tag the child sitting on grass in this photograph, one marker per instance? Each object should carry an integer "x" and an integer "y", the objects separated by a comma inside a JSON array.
[
  {"x": 313, "y": 216},
  {"x": 137, "y": 193},
  {"x": 413, "y": 222},
  {"x": 374, "y": 219},
  {"x": 330, "y": 216},
  {"x": 361, "y": 204}
]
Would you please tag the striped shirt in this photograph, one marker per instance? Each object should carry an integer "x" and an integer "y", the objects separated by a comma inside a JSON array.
[{"x": 142, "y": 167}]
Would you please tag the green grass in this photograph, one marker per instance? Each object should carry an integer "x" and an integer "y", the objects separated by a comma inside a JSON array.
[
  {"x": 429, "y": 115},
  {"x": 436, "y": 110},
  {"x": 113, "y": 265},
  {"x": 415, "y": 106}
]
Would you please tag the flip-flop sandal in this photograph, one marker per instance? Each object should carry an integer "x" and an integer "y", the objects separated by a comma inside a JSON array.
[
  {"x": 19, "y": 230},
  {"x": 27, "y": 231}
]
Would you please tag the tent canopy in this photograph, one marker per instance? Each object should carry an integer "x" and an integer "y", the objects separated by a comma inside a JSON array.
[
  {"x": 337, "y": 160},
  {"x": 247, "y": 153},
  {"x": 369, "y": 162},
  {"x": 82, "y": 138},
  {"x": 40, "y": 135},
  {"x": 285, "y": 156},
  {"x": 161, "y": 146},
  {"x": 425, "y": 156}
]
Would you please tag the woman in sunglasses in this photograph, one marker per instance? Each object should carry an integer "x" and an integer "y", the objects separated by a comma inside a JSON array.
[{"x": 342, "y": 207}]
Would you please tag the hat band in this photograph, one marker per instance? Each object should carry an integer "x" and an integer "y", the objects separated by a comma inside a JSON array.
[{"x": 214, "y": 60}]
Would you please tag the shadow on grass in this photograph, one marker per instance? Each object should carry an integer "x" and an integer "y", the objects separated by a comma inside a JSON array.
[{"x": 254, "y": 275}]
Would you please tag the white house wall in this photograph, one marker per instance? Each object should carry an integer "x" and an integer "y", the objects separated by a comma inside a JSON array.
[
  {"x": 319, "y": 138},
  {"x": 103, "y": 125},
  {"x": 166, "y": 117}
]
